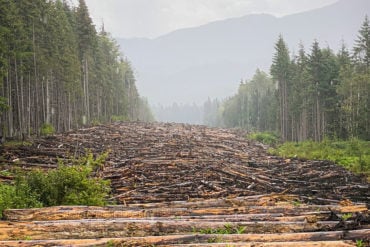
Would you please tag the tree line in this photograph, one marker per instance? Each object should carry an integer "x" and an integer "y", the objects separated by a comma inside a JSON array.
[
  {"x": 309, "y": 95},
  {"x": 57, "y": 69}
]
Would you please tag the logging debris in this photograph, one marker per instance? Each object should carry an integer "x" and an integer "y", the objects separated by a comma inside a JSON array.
[
  {"x": 155, "y": 162},
  {"x": 186, "y": 185}
]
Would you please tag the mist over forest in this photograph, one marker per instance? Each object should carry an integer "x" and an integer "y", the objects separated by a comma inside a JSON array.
[
  {"x": 194, "y": 64},
  {"x": 227, "y": 73}
]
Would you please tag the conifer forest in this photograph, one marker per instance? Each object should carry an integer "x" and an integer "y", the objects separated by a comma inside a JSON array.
[
  {"x": 311, "y": 94},
  {"x": 58, "y": 71}
]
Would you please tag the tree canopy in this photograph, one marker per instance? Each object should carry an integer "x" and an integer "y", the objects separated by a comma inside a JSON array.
[
  {"x": 57, "y": 69},
  {"x": 311, "y": 95}
]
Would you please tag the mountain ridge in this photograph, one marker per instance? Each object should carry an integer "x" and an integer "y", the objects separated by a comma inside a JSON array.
[{"x": 232, "y": 49}]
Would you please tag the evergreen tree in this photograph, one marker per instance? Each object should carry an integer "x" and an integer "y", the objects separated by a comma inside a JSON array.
[
  {"x": 56, "y": 70},
  {"x": 362, "y": 45},
  {"x": 345, "y": 92},
  {"x": 318, "y": 95},
  {"x": 281, "y": 73},
  {"x": 362, "y": 80},
  {"x": 300, "y": 97},
  {"x": 86, "y": 41}
]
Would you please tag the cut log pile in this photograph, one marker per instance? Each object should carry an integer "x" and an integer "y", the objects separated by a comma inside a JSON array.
[
  {"x": 264, "y": 220},
  {"x": 185, "y": 185}
]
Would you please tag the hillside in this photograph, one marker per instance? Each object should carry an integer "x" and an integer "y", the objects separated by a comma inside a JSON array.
[
  {"x": 194, "y": 186},
  {"x": 194, "y": 63}
]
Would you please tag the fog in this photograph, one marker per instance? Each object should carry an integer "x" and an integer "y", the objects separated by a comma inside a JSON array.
[{"x": 193, "y": 50}]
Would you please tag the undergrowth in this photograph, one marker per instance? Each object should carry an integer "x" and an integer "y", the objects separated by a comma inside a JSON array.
[
  {"x": 69, "y": 184},
  {"x": 268, "y": 138},
  {"x": 353, "y": 154},
  {"x": 47, "y": 129}
]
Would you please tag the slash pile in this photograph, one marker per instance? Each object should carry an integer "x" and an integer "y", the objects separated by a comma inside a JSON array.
[
  {"x": 166, "y": 162},
  {"x": 189, "y": 185}
]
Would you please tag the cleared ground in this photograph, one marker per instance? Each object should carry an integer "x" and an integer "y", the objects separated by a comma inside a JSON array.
[{"x": 184, "y": 185}]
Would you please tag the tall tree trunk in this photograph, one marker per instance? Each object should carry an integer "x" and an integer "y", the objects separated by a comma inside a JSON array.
[
  {"x": 10, "y": 103},
  {"x": 47, "y": 100},
  {"x": 18, "y": 96},
  {"x": 29, "y": 106}
]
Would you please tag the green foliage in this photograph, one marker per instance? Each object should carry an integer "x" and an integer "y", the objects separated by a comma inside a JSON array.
[
  {"x": 72, "y": 184},
  {"x": 353, "y": 154},
  {"x": 360, "y": 243},
  {"x": 119, "y": 118},
  {"x": 67, "y": 185},
  {"x": 47, "y": 129},
  {"x": 252, "y": 107},
  {"x": 346, "y": 216},
  {"x": 14, "y": 143},
  {"x": 110, "y": 243},
  {"x": 3, "y": 104},
  {"x": 89, "y": 160},
  {"x": 18, "y": 196},
  {"x": 71, "y": 71},
  {"x": 311, "y": 95},
  {"x": 268, "y": 138}
]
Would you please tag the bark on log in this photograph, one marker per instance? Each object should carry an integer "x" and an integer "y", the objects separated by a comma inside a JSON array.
[
  {"x": 89, "y": 212},
  {"x": 128, "y": 227},
  {"x": 200, "y": 178},
  {"x": 175, "y": 162},
  {"x": 187, "y": 239}
]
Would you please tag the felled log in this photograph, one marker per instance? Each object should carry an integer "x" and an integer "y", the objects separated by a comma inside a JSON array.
[
  {"x": 90, "y": 212},
  {"x": 277, "y": 244},
  {"x": 146, "y": 159},
  {"x": 127, "y": 227},
  {"x": 300, "y": 239}
]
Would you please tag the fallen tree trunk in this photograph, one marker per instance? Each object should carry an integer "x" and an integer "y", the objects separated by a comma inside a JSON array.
[
  {"x": 89, "y": 212},
  {"x": 128, "y": 227},
  {"x": 298, "y": 238}
]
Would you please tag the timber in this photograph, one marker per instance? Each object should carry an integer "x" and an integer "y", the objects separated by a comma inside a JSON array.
[{"x": 184, "y": 185}]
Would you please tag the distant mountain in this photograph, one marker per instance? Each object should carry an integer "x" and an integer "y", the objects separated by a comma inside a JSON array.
[{"x": 189, "y": 65}]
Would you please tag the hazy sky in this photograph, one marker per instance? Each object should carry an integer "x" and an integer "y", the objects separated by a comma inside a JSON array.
[{"x": 152, "y": 18}]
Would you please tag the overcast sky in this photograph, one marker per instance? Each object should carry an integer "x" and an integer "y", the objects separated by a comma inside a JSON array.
[{"x": 152, "y": 18}]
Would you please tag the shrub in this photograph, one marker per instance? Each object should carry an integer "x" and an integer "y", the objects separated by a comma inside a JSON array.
[
  {"x": 17, "y": 197},
  {"x": 47, "y": 129},
  {"x": 268, "y": 138},
  {"x": 66, "y": 185}
]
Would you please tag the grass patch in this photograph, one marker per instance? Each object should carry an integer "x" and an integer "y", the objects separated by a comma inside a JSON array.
[
  {"x": 15, "y": 143},
  {"x": 353, "y": 154}
]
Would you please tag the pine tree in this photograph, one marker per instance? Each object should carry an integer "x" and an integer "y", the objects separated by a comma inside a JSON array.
[
  {"x": 345, "y": 92},
  {"x": 300, "y": 97},
  {"x": 86, "y": 41},
  {"x": 281, "y": 72},
  {"x": 55, "y": 69},
  {"x": 362, "y": 45},
  {"x": 362, "y": 80}
]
